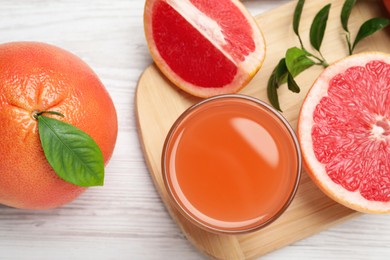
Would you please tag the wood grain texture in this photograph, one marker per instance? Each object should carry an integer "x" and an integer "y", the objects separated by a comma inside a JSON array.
[
  {"x": 126, "y": 218},
  {"x": 159, "y": 104}
]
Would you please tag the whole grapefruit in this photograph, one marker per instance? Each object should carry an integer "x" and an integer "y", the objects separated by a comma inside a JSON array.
[
  {"x": 41, "y": 77},
  {"x": 204, "y": 47},
  {"x": 344, "y": 132}
]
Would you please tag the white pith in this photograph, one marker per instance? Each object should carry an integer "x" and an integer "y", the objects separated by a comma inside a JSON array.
[
  {"x": 246, "y": 69},
  {"x": 378, "y": 132},
  {"x": 204, "y": 24},
  {"x": 351, "y": 199}
]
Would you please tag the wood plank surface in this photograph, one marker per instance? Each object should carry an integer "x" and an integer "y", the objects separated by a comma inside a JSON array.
[{"x": 159, "y": 103}]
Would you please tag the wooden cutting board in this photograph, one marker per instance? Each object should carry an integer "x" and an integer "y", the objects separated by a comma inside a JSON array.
[{"x": 159, "y": 103}]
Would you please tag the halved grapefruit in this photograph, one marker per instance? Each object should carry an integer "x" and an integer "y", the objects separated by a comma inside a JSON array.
[
  {"x": 204, "y": 47},
  {"x": 344, "y": 132}
]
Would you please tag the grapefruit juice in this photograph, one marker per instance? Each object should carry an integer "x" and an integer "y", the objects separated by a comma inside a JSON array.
[{"x": 231, "y": 164}]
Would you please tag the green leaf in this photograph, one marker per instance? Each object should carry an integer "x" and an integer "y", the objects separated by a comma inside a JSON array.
[
  {"x": 370, "y": 27},
  {"x": 281, "y": 72},
  {"x": 292, "y": 85},
  {"x": 73, "y": 154},
  {"x": 297, "y": 61},
  {"x": 317, "y": 29},
  {"x": 297, "y": 16},
  {"x": 346, "y": 12},
  {"x": 278, "y": 75},
  {"x": 272, "y": 93}
]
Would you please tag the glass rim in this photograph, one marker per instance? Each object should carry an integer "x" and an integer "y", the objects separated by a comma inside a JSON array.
[{"x": 203, "y": 224}]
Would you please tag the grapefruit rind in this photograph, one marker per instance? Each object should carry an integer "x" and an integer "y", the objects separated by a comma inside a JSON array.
[
  {"x": 247, "y": 69},
  {"x": 315, "y": 169}
]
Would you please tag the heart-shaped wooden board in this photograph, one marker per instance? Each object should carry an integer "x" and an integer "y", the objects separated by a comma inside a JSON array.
[{"x": 159, "y": 104}]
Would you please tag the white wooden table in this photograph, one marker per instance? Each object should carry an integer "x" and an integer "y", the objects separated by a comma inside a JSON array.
[{"x": 126, "y": 219}]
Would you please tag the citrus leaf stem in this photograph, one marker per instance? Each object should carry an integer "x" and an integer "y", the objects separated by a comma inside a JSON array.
[
  {"x": 348, "y": 38},
  {"x": 322, "y": 61},
  {"x": 36, "y": 113}
]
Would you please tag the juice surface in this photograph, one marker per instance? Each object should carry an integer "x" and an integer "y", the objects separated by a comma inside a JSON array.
[{"x": 231, "y": 164}]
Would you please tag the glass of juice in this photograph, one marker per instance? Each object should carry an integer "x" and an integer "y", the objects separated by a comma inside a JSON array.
[{"x": 231, "y": 164}]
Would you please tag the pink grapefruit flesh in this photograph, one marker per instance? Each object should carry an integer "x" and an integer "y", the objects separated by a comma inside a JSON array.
[
  {"x": 344, "y": 132},
  {"x": 204, "y": 47}
]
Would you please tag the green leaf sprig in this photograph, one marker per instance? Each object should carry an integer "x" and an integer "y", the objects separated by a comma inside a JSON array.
[
  {"x": 368, "y": 28},
  {"x": 297, "y": 60},
  {"x": 73, "y": 154}
]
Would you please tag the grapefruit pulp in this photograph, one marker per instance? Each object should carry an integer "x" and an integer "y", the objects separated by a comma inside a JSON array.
[
  {"x": 204, "y": 47},
  {"x": 344, "y": 132},
  {"x": 40, "y": 77}
]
